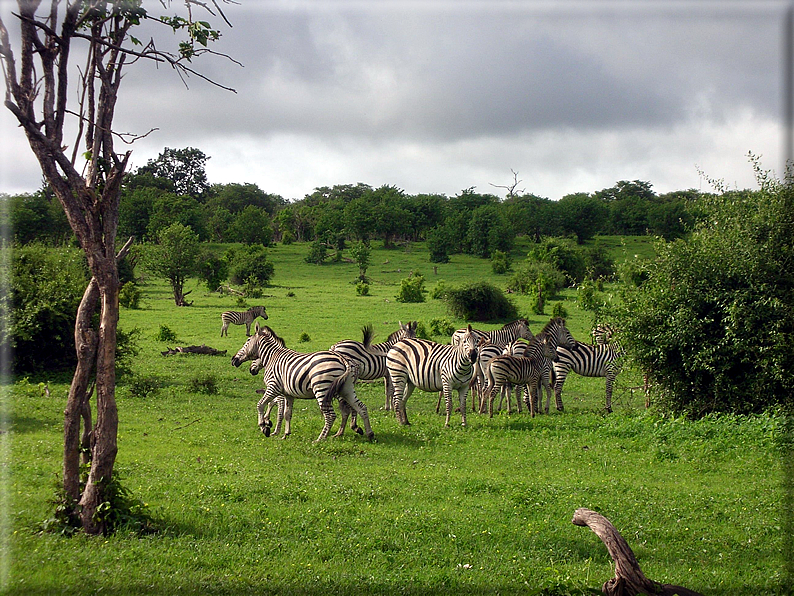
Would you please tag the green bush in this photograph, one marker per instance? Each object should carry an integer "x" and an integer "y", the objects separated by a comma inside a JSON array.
[
  {"x": 204, "y": 383},
  {"x": 480, "y": 302},
  {"x": 441, "y": 327},
  {"x": 130, "y": 295},
  {"x": 46, "y": 287},
  {"x": 318, "y": 253},
  {"x": 412, "y": 289},
  {"x": 362, "y": 289},
  {"x": 144, "y": 386},
  {"x": 212, "y": 270},
  {"x": 165, "y": 334},
  {"x": 531, "y": 274},
  {"x": 558, "y": 310},
  {"x": 500, "y": 262},
  {"x": 711, "y": 320},
  {"x": 249, "y": 264},
  {"x": 304, "y": 337},
  {"x": 438, "y": 291}
]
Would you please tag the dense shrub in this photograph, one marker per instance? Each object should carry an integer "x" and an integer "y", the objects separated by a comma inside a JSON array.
[
  {"x": 441, "y": 327},
  {"x": 412, "y": 289},
  {"x": 575, "y": 261},
  {"x": 46, "y": 286},
  {"x": 500, "y": 262},
  {"x": 249, "y": 264},
  {"x": 711, "y": 319},
  {"x": 531, "y": 276},
  {"x": 165, "y": 334},
  {"x": 130, "y": 295},
  {"x": 212, "y": 270},
  {"x": 318, "y": 253},
  {"x": 479, "y": 302}
]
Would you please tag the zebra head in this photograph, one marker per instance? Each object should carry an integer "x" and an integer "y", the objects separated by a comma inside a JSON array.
[
  {"x": 258, "y": 311},
  {"x": 556, "y": 331},
  {"x": 523, "y": 329},
  {"x": 469, "y": 343},
  {"x": 250, "y": 349},
  {"x": 548, "y": 350}
]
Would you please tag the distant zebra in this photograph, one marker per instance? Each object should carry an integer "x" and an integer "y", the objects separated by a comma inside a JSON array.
[
  {"x": 242, "y": 318},
  {"x": 289, "y": 375},
  {"x": 507, "y": 370},
  {"x": 371, "y": 360},
  {"x": 602, "y": 334},
  {"x": 499, "y": 337},
  {"x": 431, "y": 366},
  {"x": 601, "y": 360}
]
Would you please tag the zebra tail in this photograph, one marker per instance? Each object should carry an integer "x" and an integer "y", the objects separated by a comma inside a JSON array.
[
  {"x": 338, "y": 383},
  {"x": 368, "y": 332}
]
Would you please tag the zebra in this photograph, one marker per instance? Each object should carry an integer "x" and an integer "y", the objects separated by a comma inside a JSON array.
[
  {"x": 289, "y": 375},
  {"x": 520, "y": 370},
  {"x": 242, "y": 318},
  {"x": 602, "y": 360},
  {"x": 602, "y": 334},
  {"x": 371, "y": 360},
  {"x": 431, "y": 366},
  {"x": 499, "y": 337}
]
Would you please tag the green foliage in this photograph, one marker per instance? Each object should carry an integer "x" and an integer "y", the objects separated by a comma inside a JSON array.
[
  {"x": 184, "y": 169},
  {"x": 587, "y": 297},
  {"x": 174, "y": 257},
  {"x": 130, "y": 295},
  {"x": 441, "y": 326},
  {"x": 532, "y": 275},
  {"x": 318, "y": 253},
  {"x": 438, "y": 291},
  {"x": 250, "y": 226},
  {"x": 500, "y": 262},
  {"x": 361, "y": 254},
  {"x": 559, "y": 310},
  {"x": 212, "y": 270},
  {"x": 165, "y": 334},
  {"x": 480, "y": 302},
  {"x": 304, "y": 337},
  {"x": 143, "y": 386},
  {"x": 711, "y": 318},
  {"x": 412, "y": 289},
  {"x": 249, "y": 264},
  {"x": 440, "y": 244},
  {"x": 36, "y": 217},
  {"x": 46, "y": 287},
  {"x": 204, "y": 383},
  {"x": 127, "y": 349},
  {"x": 362, "y": 289}
]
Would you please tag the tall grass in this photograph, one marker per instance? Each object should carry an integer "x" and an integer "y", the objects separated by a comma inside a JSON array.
[{"x": 425, "y": 509}]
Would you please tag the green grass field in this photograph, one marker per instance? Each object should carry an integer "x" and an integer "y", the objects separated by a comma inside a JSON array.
[{"x": 423, "y": 510}]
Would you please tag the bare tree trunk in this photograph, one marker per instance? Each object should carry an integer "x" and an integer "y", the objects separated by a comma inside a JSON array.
[{"x": 629, "y": 579}]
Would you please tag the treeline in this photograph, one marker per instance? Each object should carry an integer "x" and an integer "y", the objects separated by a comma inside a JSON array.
[{"x": 173, "y": 189}]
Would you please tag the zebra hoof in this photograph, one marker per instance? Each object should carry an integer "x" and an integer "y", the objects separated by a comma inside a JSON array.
[
  {"x": 371, "y": 438},
  {"x": 609, "y": 410},
  {"x": 359, "y": 430}
]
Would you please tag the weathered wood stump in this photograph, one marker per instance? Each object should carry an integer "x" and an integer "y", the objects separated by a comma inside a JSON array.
[
  {"x": 629, "y": 579},
  {"x": 202, "y": 349}
]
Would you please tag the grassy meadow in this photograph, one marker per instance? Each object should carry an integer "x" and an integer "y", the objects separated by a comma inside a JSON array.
[{"x": 425, "y": 509}]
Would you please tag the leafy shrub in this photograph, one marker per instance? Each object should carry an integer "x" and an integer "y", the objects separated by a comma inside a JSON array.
[
  {"x": 437, "y": 293},
  {"x": 241, "y": 303},
  {"x": 249, "y": 263},
  {"x": 558, "y": 310},
  {"x": 287, "y": 237},
  {"x": 318, "y": 253},
  {"x": 480, "y": 302},
  {"x": 421, "y": 331},
  {"x": 204, "y": 383},
  {"x": 587, "y": 297},
  {"x": 251, "y": 288},
  {"x": 712, "y": 321},
  {"x": 500, "y": 262},
  {"x": 441, "y": 327},
  {"x": 440, "y": 244},
  {"x": 144, "y": 386},
  {"x": 362, "y": 289},
  {"x": 412, "y": 289},
  {"x": 130, "y": 295},
  {"x": 531, "y": 275},
  {"x": 165, "y": 334},
  {"x": 304, "y": 338},
  {"x": 212, "y": 270},
  {"x": 38, "y": 314},
  {"x": 575, "y": 261}
]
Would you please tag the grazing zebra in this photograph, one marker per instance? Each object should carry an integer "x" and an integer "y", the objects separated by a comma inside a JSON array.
[
  {"x": 507, "y": 370},
  {"x": 242, "y": 318},
  {"x": 289, "y": 375},
  {"x": 601, "y": 360},
  {"x": 371, "y": 360},
  {"x": 499, "y": 337},
  {"x": 432, "y": 367}
]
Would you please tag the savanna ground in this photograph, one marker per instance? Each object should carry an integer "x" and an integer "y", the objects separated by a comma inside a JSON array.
[{"x": 424, "y": 509}]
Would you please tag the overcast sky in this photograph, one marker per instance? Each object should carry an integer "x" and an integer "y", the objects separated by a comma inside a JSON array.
[{"x": 436, "y": 97}]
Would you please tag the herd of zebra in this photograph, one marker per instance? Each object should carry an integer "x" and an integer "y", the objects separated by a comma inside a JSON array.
[{"x": 481, "y": 361}]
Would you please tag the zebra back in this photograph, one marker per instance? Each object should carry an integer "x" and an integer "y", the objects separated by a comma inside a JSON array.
[
  {"x": 499, "y": 337},
  {"x": 371, "y": 359}
]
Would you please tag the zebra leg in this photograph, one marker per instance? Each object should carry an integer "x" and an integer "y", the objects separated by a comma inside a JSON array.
[
  {"x": 547, "y": 387},
  {"x": 225, "y": 328},
  {"x": 327, "y": 410},
  {"x": 248, "y": 329},
  {"x": 348, "y": 396},
  {"x": 610, "y": 380},
  {"x": 285, "y": 412},
  {"x": 345, "y": 410},
  {"x": 562, "y": 373},
  {"x": 264, "y": 419},
  {"x": 389, "y": 392},
  {"x": 462, "y": 391},
  {"x": 402, "y": 391}
]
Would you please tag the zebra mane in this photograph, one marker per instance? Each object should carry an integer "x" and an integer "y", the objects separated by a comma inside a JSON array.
[
  {"x": 555, "y": 322},
  {"x": 266, "y": 331},
  {"x": 515, "y": 323}
]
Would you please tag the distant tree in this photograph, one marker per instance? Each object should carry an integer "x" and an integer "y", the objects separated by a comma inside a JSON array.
[
  {"x": 236, "y": 197},
  {"x": 534, "y": 216},
  {"x": 168, "y": 209},
  {"x": 427, "y": 212},
  {"x": 488, "y": 231},
  {"x": 285, "y": 220},
  {"x": 251, "y": 226},
  {"x": 361, "y": 253},
  {"x": 439, "y": 243},
  {"x": 360, "y": 219},
  {"x": 212, "y": 270},
  {"x": 135, "y": 211},
  {"x": 185, "y": 168},
  {"x": 37, "y": 217},
  {"x": 628, "y": 203},
  {"x": 582, "y": 215},
  {"x": 175, "y": 258},
  {"x": 218, "y": 221},
  {"x": 392, "y": 217}
]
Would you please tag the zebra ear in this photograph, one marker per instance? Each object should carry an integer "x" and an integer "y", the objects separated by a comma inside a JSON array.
[{"x": 468, "y": 328}]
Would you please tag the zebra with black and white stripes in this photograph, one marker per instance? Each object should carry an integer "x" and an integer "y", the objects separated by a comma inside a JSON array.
[
  {"x": 289, "y": 375},
  {"x": 371, "y": 360},
  {"x": 499, "y": 337},
  {"x": 506, "y": 370},
  {"x": 431, "y": 366},
  {"x": 601, "y": 360},
  {"x": 241, "y": 318}
]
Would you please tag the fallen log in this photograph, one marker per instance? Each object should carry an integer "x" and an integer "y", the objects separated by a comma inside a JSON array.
[
  {"x": 202, "y": 349},
  {"x": 629, "y": 579}
]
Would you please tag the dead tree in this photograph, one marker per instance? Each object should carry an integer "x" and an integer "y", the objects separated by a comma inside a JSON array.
[
  {"x": 49, "y": 95},
  {"x": 629, "y": 579}
]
